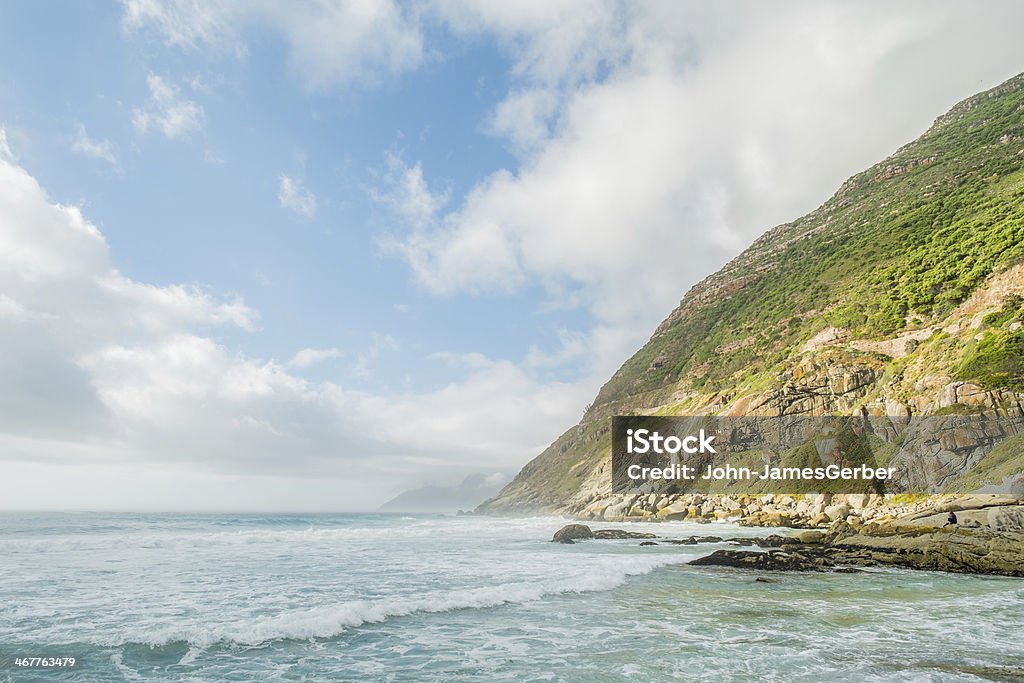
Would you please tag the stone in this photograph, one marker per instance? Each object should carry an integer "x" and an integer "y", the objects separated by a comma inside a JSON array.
[
  {"x": 811, "y": 536},
  {"x": 751, "y": 559},
  {"x": 857, "y": 501},
  {"x": 838, "y": 511},
  {"x": 1006, "y": 518},
  {"x": 570, "y": 533},
  {"x": 675, "y": 511},
  {"x": 619, "y": 534},
  {"x": 951, "y": 549}
]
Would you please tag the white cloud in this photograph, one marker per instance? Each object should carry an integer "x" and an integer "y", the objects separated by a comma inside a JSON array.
[
  {"x": 330, "y": 43},
  {"x": 294, "y": 197},
  {"x": 307, "y": 357},
  {"x": 655, "y": 140},
  {"x": 652, "y": 141},
  {"x": 5, "y": 148},
  {"x": 122, "y": 383},
  {"x": 403, "y": 190},
  {"x": 167, "y": 111},
  {"x": 102, "y": 150}
]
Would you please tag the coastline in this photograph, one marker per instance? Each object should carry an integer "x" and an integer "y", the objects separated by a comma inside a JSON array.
[{"x": 841, "y": 546}]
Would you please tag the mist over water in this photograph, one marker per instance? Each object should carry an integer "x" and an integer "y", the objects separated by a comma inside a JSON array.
[{"x": 410, "y": 598}]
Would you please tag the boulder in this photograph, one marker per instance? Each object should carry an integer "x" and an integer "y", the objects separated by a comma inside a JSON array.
[
  {"x": 975, "y": 502},
  {"x": 617, "y": 534},
  {"x": 939, "y": 519},
  {"x": 838, "y": 511},
  {"x": 570, "y": 533},
  {"x": 751, "y": 559},
  {"x": 811, "y": 536},
  {"x": 1006, "y": 518},
  {"x": 675, "y": 511},
  {"x": 821, "y": 519},
  {"x": 951, "y": 549},
  {"x": 858, "y": 501}
]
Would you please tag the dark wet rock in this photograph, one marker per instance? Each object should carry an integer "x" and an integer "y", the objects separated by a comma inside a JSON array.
[
  {"x": 843, "y": 548},
  {"x": 775, "y": 541},
  {"x": 619, "y": 533},
  {"x": 762, "y": 579},
  {"x": 694, "y": 540},
  {"x": 777, "y": 560},
  {"x": 570, "y": 533}
]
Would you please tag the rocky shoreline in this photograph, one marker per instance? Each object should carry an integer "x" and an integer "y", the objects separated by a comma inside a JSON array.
[
  {"x": 843, "y": 548},
  {"x": 809, "y": 511}
]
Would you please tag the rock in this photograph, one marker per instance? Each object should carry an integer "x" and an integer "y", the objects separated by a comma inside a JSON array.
[
  {"x": 775, "y": 519},
  {"x": 811, "y": 536},
  {"x": 951, "y": 549},
  {"x": 762, "y": 579},
  {"x": 775, "y": 541},
  {"x": 838, "y": 511},
  {"x": 1006, "y": 518},
  {"x": 675, "y": 511},
  {"x": 693, "y": 540},
  {"x": 857, "y": 501},
  {"x": 939, "y": 519},
  {"x": 619, "y": 533},
  {"x": 840, "y": 530},
  {"x": 648, "y": 543},
  {"x": 570, "y": 533},
  {"x": 707, "y": 539},
  {"x": 752, "y": 559},
  {"x": 974, "y": 502}
]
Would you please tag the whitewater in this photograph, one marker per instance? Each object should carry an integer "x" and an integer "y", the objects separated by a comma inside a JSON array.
[{"x": 176, "y": 597}]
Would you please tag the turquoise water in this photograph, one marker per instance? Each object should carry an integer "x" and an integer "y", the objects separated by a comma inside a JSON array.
[{"x": 427, "y": 598}]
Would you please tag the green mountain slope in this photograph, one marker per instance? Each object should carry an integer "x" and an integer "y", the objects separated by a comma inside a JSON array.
[{"x": 900, "y": 295}]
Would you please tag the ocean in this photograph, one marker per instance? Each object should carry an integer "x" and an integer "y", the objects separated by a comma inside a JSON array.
[{"x": 373, "y": 597}]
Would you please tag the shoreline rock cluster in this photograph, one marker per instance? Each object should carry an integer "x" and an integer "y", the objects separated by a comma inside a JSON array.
[
  {"x": 810, "y": 511},
  {"x": 843, "y": 548}
]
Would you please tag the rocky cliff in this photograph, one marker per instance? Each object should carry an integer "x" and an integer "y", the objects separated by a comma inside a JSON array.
[{"x": 903, "y": 294}]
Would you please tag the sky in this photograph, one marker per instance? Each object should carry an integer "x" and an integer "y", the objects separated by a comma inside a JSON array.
[{"x": 304, "y": 255}]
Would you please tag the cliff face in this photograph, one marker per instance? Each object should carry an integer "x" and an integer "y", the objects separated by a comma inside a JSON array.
[{"x": 903, "y": 294}]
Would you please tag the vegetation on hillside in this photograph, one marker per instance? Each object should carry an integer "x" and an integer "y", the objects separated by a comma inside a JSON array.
[{"x": 898, "y": 247}]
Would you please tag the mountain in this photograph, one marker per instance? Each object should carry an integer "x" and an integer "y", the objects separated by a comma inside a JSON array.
[
  {"x": 431, "y": 498},
  {"x": 903, "y": 294}
]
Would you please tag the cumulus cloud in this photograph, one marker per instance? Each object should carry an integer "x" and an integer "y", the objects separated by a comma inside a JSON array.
[
  {"x": 166, "y": 111},
  {"x": 103, "y": 149},
  {"x": 330, "y": 43},
  {"x": 102, "y": 373},
  {"x": 294, "y": 197},
  {"x": 655, "y": 140}
]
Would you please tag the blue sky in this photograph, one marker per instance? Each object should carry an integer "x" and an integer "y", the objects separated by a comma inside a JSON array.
[
  {"x": 204, "y": 207},
  {"x": 305, "y": 255}
]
